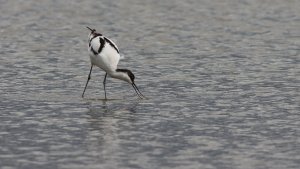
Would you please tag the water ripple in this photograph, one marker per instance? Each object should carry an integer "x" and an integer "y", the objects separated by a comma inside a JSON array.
[{"x": 221, "y": 78}]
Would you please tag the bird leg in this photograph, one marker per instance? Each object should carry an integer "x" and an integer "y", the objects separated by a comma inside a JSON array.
[
  {"x": 89, "y": 77},
  {"x": 104, "y": 82}
]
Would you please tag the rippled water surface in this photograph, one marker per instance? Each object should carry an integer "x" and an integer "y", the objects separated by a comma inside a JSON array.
[{"x": 222, "y": 80}]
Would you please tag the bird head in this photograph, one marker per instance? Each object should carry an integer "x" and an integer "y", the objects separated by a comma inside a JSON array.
[{"x": 128, "y": 76}]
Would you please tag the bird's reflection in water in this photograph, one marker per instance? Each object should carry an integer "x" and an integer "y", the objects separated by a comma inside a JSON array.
[
  {"x": 108, "y": 122},
  {"x": 109, "y": 112},
  {"x": 96, "y": 110}
]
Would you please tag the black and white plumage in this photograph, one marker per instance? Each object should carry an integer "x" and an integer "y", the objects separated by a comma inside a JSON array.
[{"x": 104, "y": 54}]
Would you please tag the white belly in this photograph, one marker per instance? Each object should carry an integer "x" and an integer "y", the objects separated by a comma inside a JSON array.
[{"x": 107, "y": 60}]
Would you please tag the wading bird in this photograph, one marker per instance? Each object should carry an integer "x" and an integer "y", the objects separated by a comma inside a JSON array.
[{"x": 105, "y": 54}]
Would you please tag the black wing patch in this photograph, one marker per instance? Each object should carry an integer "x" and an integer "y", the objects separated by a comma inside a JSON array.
[
  {"x": 111, "y": 44},
  {"x": 102, "y": 42}
]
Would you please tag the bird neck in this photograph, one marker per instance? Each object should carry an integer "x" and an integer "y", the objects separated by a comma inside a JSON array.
[{"x": 120, "y": 75}]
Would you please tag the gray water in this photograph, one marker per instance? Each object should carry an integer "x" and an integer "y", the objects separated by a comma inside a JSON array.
[{"x": 221, "y": 77}]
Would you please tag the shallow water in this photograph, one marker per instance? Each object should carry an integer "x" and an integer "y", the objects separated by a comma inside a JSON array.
[{"x": 221, "y": 77}]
